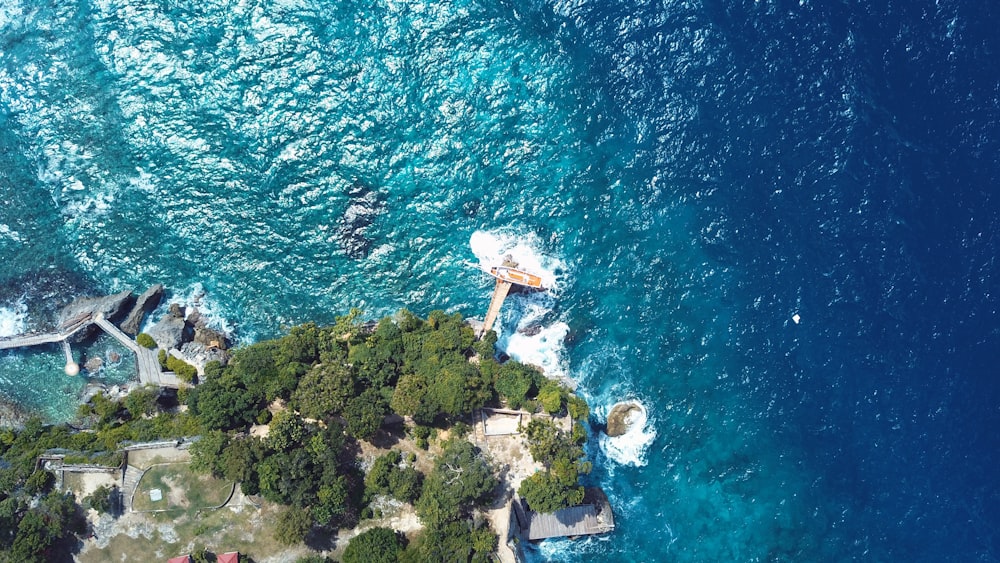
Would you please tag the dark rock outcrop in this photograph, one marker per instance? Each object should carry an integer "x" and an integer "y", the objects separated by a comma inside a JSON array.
[
  {"x": 194, "y": 318},
  {"x": 11, "y": 414},
  {"x": 621, "y": 417},
  {"x": 110, "y": 306},
  {"x": 144, "y": 304},
  {"x": 365, "y": 205},
  {"x": 210, "y": 338}
]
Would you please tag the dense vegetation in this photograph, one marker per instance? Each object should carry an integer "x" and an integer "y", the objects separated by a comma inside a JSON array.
[
  {"x": 377, "y": 545},
  {"x": 338, "y": 384},
  {"x": 33, "y": 518},
  {"x": 319, "y": 389},
  {"x": 558, "y": 486}
]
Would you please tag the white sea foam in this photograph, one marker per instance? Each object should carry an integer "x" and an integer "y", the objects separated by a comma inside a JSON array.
[
  {"x": 491, "y": 247},
  {"x": 544, "y": 349},
  {"x": 542, "y": 346},
  {"x": 195, "y": 296},
  {"x": 630, "y": 448},
  {"x": 8, "y": 233},
  {"x": 13, "y": 318}
]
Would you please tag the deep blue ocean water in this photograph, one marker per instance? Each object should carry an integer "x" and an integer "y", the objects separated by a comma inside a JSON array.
[{"x": 693, "y": 175}]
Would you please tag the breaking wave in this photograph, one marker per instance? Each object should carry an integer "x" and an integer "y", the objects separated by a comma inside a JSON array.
[
  {"x": 13, "y": 318},
  {"x": 529, "y": 331},
  {"x": 631, "y": 447}
]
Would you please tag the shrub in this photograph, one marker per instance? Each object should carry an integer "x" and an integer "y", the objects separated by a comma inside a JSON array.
[
  {"x": 100, "y": 499},
  {"x": 264, "y": 417},
  {"x": 145, "y": 340},
  {"x": 578, "y": 408},
  {"x": 420, "y": 435},
  {"x": 377, "y": 545},
  {"x": 185, "y": 371},
  {"x": 39, "y": 482},
  {"x": 460, "y": 429},
  {"x": 550, "y": 396},
  {"x": 292, "y": 526}
]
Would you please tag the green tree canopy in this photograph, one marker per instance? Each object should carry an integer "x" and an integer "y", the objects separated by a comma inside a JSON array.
[
  {"x": 141, "y": 402},
  {"x": 207, "y": 452},
  {"x": 223, "y": 403},
  {"x": 544, "y": 492},
  {"x": 452, "y": 542},
  {"x": 377, "y": 545},
  {"x": 292, "y": 526},
  {"x": 461, "y": 479},
  {"x": 100, "y": 499},
  {"x": 324, "y": 391},
  {"x": 364, "y": 413},
  {"x": 558, "y": 486}
]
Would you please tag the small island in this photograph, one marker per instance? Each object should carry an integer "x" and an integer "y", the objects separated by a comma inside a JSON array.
[{"x": 402, "y": 439}]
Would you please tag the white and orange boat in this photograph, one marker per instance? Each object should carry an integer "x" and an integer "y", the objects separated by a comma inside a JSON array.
[{"x": 513, "y": 275}]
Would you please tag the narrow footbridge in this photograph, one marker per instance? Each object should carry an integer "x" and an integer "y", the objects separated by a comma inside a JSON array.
[
  {"x": 68, "y": 329},
  {"x": 499, "y": 295}
]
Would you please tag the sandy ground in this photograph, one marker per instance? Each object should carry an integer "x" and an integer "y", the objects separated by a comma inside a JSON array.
[
  {"x": 83, "y": 484},
  {"x": 515, "y": 464},
  {"x": 502, "y": 424},
  {"x": 145, "y": 458}
]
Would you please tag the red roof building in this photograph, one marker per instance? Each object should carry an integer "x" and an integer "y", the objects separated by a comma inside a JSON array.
[
  {"x": 181, "y": 559},
  {"x": 231, "y": 557}
]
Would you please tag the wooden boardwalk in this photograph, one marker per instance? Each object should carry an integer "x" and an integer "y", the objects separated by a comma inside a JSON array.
[
  {"x": 499, "y": 295},
  {"x": 146, "y": 360},
  {"x": 25, "y": 340}
]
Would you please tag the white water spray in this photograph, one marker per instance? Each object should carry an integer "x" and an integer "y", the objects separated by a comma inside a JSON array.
[{"x": 544, "y": 344}]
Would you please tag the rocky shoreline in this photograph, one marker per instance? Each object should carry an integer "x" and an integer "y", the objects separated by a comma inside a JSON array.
[
  {"x": 182, "y": 332},
  {"x": 12, "y": 415}
]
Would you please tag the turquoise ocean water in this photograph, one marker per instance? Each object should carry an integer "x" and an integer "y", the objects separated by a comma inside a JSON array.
[{"x": 774, "y": 224}]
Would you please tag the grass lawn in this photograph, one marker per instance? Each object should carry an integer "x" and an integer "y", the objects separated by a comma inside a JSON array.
[{"x": 181, "y": 489}]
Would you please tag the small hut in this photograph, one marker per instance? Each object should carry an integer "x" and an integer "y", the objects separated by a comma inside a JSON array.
[{"x": 594, "y": 516}]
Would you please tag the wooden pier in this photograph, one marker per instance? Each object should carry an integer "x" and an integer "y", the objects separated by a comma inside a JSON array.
[
  {"x": 504, "y": 284},
  {"x": 499, "y": 295},
  {"x": 25, "y": 340},
  {"x": 147, "y": 363}
]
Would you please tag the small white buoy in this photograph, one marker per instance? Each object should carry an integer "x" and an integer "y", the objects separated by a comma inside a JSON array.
[
  {"x": 796, "y": 318},
  {"x": 72, "y": 368}
]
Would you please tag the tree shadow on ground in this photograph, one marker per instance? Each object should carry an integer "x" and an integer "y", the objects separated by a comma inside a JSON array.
[
  {"x": 388, "y": 436},
  {"x": 321, "y": 539}
]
